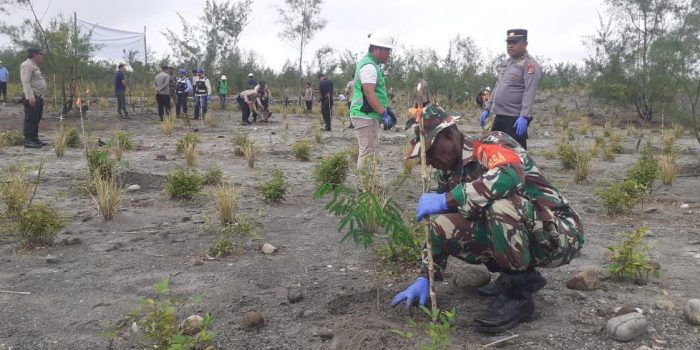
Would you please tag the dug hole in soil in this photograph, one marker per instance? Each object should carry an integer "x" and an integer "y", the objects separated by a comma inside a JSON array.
[{"x": 100, "y": 280}]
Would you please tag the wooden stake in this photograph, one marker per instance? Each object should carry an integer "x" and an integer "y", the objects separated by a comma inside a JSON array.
[
  {"x": 14, "y": 292},
  {"x": 501, "y": 340},
  {"x": 425, "y": 180}
]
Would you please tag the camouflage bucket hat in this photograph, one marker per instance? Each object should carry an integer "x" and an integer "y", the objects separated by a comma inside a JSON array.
[{"x": 435, "y": 119}]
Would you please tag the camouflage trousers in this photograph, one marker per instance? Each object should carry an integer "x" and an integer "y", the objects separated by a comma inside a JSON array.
[{"x": 506, "y": 233}]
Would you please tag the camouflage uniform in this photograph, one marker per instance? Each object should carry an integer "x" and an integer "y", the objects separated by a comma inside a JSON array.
[
  {"x": 511, "y": 213},
  {"x": 508, "y": 212}
]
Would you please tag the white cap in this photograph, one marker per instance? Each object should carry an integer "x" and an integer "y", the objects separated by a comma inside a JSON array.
[
  {"x": 488, "y": 88},
  {"x": 223, "y": 77},
  {"x": 250, "y": 75},
  {"x": 382, "y": 39}
]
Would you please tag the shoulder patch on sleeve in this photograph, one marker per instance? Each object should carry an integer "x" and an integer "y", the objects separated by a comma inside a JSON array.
[{"x": 531, "y": 68}]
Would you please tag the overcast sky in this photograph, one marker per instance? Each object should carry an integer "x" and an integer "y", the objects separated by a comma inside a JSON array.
[{"x": 556, "y": 27}]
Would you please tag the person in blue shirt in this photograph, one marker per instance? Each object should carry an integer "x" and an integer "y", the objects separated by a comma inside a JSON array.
[
  {"x": 4, "y": 78},
  {"x": 120, "y": 90},
  {"x": 251, "y": 83},
  {"x": 183, "y": 87}
]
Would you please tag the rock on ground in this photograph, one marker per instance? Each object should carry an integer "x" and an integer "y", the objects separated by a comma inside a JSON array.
[
  {"x": 294, "y": 295},
  {"x": 472, "y": 276},
  {"x": 588, "y": 279},
  {"x": 268, "y": 248},
  {"x": 691, "y": 311},
  {"x": 253, "y": 319},
  {"x": 627, "y": 327},
  {"x": 663, "y": 304}
]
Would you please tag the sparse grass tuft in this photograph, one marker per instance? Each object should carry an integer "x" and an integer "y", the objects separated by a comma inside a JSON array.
[
  {"x": 209, "y": 119},
  {"x": 213, "y": 176},
  {"x": 583, "y": 166},
  {"x": 249, "y": 152},
  {"x": 316, "y": 131},
  {"x": 15, "y": 191},
  {"x": 13, "y": 138},
  {"x": 273, "y": 191},
  {"x": 189, "y": 138},
  {"x": 226, "y": 201},
  {"x": 183, "y": 184},
  {"x": 567, "y": 154},
  {"x": 668, "y": 169},
  {"x": 107, "y": 197},
  {"x": 239, "y": 142},
  {"x": 302, "y": 150},
  {"x": 100, "y": 165},
  {"x": 190, "y": 154},
  {"x": 584, "y": 125},
  {"x": 167, "y": 125},
  {"x": 60, "y": 142}
]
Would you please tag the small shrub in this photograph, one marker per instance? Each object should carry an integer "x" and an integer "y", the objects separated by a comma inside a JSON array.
[
  {"x": 188, "y": 139},
  {"x": 59, "y": 142},
  {"x": 239, "y": 142},
  {"x": 161, "y": 322},
  {"x": 190, "y": 154},
  {"x": 221, "y": 247},
  {"x": 107, "y": 197},
  {"x": 668, "y": 169},
  {"x": 273, "y": 191},
  {"x": 616, "y": 143},
  {"x": 122, "y": 138},
  {"x": 583, "y": 166},
  {"x": 301, "y": 150},
  {"x": 584, "y": 125},
  {"x": 567, "y": 154},
  {"x": 669, "y": 142},
  {"x": 2, "y": 141},
  {"x": 13, "y": 138},
  {"x": 630, "y": 259},
  {"x": 167, "y": 125},
  {"x": 225, "y": 201},
  {"x": 100, "y": 165},
  {"x": 249, "y": 152},
  {"x": 608, "y": 154},
  {"x": 213, "y": 176},
  {"x": 15, "y": 191},
  {"x": 438, "y": 329},
  {"x": 316, "y": 131},
  {"x": 621, "y": 197},
  {"x": 183, "y": 184},
  {"x": 209, "y": 119},
  {"x": 646, "y": 170},
  {"x": 332, "y": 170},
  {"x": 38, "y": 225},
  {"x": 73, "y": 138},
  {"x": 549, "y": 154},
  {"x": 607, "y": 128}
]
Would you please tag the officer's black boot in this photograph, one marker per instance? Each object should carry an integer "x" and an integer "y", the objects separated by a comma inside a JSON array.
[
  {"x": 533, "y": 280},
  {"x": 495, "y": 288},
  {"x": 509, "y": 309}
]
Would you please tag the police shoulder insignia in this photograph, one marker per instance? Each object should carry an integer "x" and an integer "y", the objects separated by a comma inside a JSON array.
[{"x": 531, "y": 68}]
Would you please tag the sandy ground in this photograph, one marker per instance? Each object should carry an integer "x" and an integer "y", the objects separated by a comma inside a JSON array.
[{"x": 101, "y": 279}]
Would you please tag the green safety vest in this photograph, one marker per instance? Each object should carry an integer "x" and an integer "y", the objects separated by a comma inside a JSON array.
[
  {"x": 223, "y": 87},
  {"x": 357, "y": 107}
]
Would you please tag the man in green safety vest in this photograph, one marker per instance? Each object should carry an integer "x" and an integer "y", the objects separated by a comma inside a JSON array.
[{"x": 370, "y": 104}]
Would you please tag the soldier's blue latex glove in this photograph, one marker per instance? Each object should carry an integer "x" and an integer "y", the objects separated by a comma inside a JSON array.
[
  {"x": 387, "y": 121},
  {"x": 484, "y": 116},
  {"x": 420, "y": 289},
  {"x": 520, "y": 125},
  {"x": 431, "y": 203}
]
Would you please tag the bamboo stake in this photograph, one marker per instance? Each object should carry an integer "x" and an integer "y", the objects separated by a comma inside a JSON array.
[
  {"x": 424, "y": 177},
  {"x": 14, "y": 292}
]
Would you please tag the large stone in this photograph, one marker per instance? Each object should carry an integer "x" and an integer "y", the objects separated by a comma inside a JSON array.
[
  {"x": 324, "y": 333},
  {"x": 472, "y": 277},
  {"x": 268, "y": 248},
  {"x": 664, "y": 304},
  {"x": 627, "y": 327},
  {"x": 691, "y": 311},
  {"x": 134, "y": 187},
  {"x": 588, "y": 279},
  {"x": 253, "y": 319},
  {"x": 294, "y": 295}
]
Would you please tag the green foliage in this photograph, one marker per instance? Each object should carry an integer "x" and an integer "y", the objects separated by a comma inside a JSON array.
[
  {"x": 438, "y": 330},
  {"x": 183, "y": 183},
  {"x": 213, "y": 176},
  {"x": 646, "y": 170},
  {"x": 189, "y": 138},
  {"x": 567, "y": 154},
  {"x": 100, "y": 165},
  {"x": 232, "y": 236},
  {"x": 400, "y": 254},
  {"x": 160, "y": 322},
  {"x": 616, "y": 143},
  {"x": 13, "y": 138},
  {"x": 73, "y": 138},
  {"x": 15, "y": 191},
  {"x": 332, "y": 170},
  {"x": 583, "y": 166},
  {"x": 124, "y": 141},
  {"x": 221, "y": 247},
  {"x": 273, "y": 191},
  {"x": 549, "y": 154},
  {"x": 38, "y": 225},
  {"x": 302, "y": 150},
  {"x": 239, "y": 143},
  {"x": 621, "y": 197},
  {"x": 630, "y": 259}
]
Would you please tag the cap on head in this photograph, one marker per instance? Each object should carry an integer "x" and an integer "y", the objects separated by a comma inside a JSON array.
[
  {"x": 182, "y": 71},
  {"x": 33, "y": 51},
  {"x": 382, "y": 39},
  {"x": 250, "y": 75},
  {"x": 223, "y": 77},
  {"x": 435, "y": 119},
  {"x": 200, "y": 70},
  {"x": 488, "y": 88},
  {"x": 516, "y": 34}
]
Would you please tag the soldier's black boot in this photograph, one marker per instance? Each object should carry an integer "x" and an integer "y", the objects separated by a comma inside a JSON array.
[
  {"x": 509, "y": 309},
  {"x": 533, "y": 279}
]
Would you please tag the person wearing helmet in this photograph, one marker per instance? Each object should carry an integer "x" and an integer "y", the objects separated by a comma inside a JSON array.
[
  {"x": 514, "y": 93},
  {"x": 370, "y": 101},
  {"x": 162, "y": 87},
  {"x": 183, "y": 87},
  {"x": 493, "y": 206},
  {"x": 251, "y": 81},
  {"x": 223, "y": 90},
  {"x": 202, "y": 93}
]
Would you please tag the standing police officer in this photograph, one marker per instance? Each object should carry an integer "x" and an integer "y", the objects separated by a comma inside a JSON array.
[
  {"x": 514, "y": 93},
  {"x": 33, "y": 88}
]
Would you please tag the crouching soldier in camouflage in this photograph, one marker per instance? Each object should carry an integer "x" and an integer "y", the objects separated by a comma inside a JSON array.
[{"x": 493, "y": 206}]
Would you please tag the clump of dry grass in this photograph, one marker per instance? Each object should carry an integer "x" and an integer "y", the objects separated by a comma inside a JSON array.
[
  {"x": 190, "y": 154},
  {"x": 15, "y": 191},
  {"x": 108, "y": 196},
  {"x": 584, "y": 125},
  {"x": 226, "y": 201},
  {"x": 60, "y": 141},
  {"x": 607, "y": 128},
  {"x": 669, "y": 142},
  {"x": 249, "y": 153},
  {"x": 668, "y": 169},
  {"x": 167, "y": 125},
  {"x": 582, "y": 167},
  {"x": 209, "y": 119},
  {"x": 316, "y": 131}
]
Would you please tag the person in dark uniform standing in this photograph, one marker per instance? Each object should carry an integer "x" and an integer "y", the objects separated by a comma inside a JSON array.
[
  {"x": 33, "y": 88},
  {"x": 514, "y": 94},
  {"x": 325, "y": 87}
]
